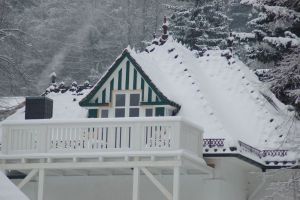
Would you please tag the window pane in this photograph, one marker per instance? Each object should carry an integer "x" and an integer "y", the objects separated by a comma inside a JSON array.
[
  {"x": 134, "y": 112},
  {"x": 134, "y": 99},
  {"x": 149, "y": 112},
  {"x": 104, "y": 114},
  {"x": 120, "y": 112},
  {"x": 160, "y": 111},
  {"x": 92, "y": 113},
  {"x": 120, "y": 100}
]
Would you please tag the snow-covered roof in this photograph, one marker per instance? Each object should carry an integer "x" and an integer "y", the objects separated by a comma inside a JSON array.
[
  {"x": 7, "y": 103},
  {"x": 220, "y": 94}
]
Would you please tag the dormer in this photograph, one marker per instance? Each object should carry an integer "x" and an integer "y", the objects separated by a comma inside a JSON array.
[{"x": 125, "y": 90}]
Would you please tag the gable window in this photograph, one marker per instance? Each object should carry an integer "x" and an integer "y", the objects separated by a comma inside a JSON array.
[
  {"x": 120, "y": 112},
  {"x": 92, "y": 113},
  {"x": 159, "y": 111},
  {"x": 120, "y": 105},
  {"x": 149, "y": 112},
  {"x": 120, "y": 100},
  {"x": 127, "y": 104},
  {"x": 134, "y": 110},
  {"x": 104, "y": 113}
]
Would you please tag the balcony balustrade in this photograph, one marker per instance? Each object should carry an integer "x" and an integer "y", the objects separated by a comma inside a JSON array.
[{"x": 97, "y": 135}]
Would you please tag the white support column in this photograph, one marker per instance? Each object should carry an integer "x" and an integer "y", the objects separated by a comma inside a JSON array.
[
  {"x": 41, "y": 184},
  {"x": 27, "y": 178},
  {"x": 136, "y": 184},
  {"x": 176, "y": 184}
]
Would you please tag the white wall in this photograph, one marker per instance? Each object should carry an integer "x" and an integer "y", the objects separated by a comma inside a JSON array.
[{"x": 229, "y": 183}]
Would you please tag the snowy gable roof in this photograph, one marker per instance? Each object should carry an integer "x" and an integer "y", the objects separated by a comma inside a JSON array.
[
  {"x": 152, "y": 79},
  {"x": 221, "y": 95}
]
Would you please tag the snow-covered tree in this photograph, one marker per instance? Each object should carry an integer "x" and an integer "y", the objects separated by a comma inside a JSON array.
[
  {"x": 274, "y": 44},
  {"x": 71, "y": 37},
  {"x": 285, "y": 79},
  {"x": 14, "y": 45},
  {"x": 203, "y": 25}
]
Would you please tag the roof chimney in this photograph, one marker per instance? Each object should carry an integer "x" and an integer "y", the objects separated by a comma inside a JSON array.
[{"x": 38, "y": 108}]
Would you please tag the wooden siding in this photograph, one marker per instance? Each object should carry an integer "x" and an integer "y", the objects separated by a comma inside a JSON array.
[{"x": 125, "y": 77}]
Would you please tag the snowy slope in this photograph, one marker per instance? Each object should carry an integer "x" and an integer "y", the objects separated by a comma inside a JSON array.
[{"x": 8, "y": 191}]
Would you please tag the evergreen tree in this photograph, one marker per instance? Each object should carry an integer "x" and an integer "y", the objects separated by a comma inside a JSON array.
[
  {"x": 275, "y": 26},
  {"x": 204, "y": 25},
  {"x": 274, "y": 44}
]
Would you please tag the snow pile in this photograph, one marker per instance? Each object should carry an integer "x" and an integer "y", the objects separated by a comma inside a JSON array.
[{"x": 8, "y": 191}]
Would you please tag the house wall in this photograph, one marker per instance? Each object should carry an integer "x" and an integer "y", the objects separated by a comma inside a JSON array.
[{"x": 229, "y": 183}]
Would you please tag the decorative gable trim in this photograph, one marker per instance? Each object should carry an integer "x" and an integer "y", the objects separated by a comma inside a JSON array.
[{"x": 161, "y": 100}]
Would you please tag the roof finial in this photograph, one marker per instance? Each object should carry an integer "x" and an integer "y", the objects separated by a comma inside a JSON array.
[{"x": 165, "y": 34}]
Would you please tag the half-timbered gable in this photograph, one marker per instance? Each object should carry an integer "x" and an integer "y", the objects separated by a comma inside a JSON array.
[{"x": 127, "y": 91}]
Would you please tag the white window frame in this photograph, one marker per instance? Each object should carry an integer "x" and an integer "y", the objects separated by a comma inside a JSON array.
[{"x": 127, "y": 101}]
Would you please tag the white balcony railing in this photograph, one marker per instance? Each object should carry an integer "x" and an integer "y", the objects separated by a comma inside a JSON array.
[{"x": 97, "y": 135}]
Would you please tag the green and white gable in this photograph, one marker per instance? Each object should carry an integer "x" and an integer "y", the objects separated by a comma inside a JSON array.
[{"x": 126, "y": 90}]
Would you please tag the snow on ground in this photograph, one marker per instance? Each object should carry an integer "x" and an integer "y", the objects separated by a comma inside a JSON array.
[{"x": 8, "y": 191}]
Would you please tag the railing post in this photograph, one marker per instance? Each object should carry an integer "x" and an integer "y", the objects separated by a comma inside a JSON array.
[
  {"x": 43, "y": 139},
  {"x": 137, "y": 136},
  {"x": 5, "y": 140},
  {"x": 178, "y": 129},
  {"x": 200, "y": 144}
]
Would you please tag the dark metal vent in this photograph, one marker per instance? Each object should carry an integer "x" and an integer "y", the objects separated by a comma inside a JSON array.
[{"x": 38, "y": 108}]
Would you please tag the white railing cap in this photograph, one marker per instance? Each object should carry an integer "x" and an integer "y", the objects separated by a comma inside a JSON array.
[
  {"x": 99, "y": 120},
  {"x": 63, "y": 121}
]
